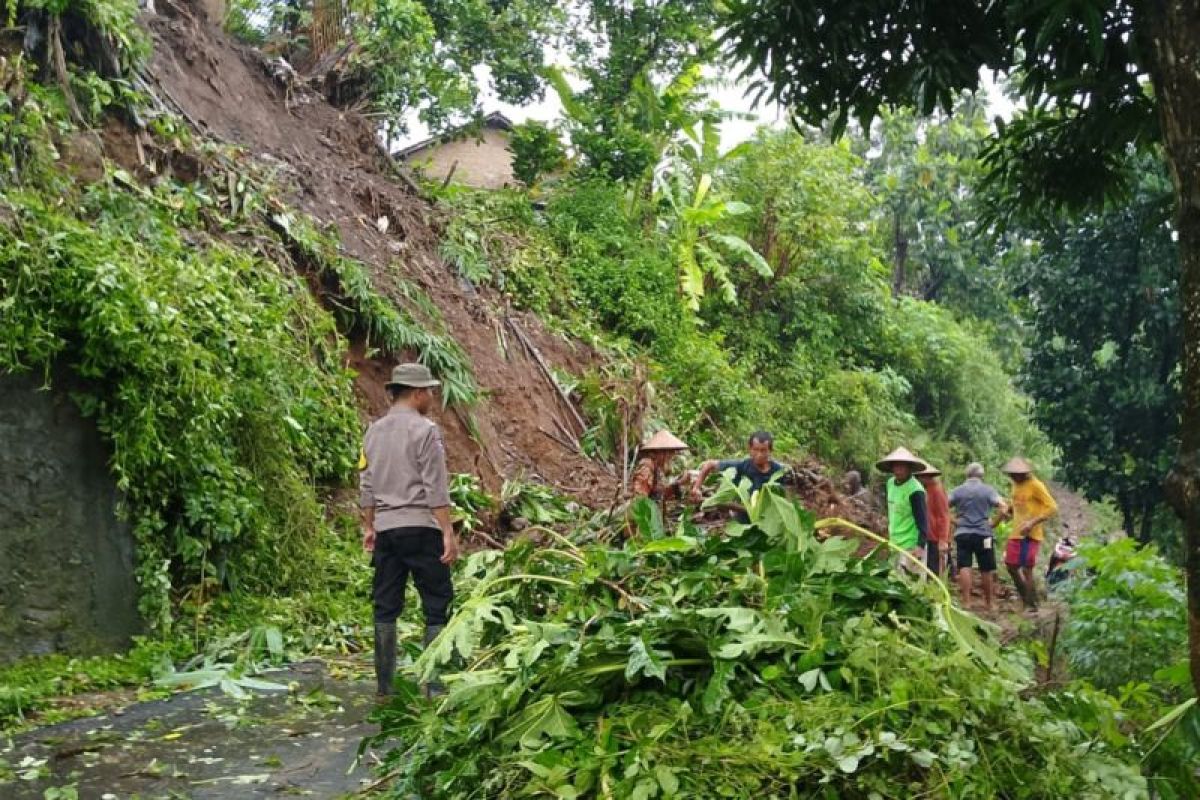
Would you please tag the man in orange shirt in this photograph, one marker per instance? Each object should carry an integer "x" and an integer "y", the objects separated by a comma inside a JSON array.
[
  {"x": 1032, "y": 506},
  {"x": 938, "y": 506}
]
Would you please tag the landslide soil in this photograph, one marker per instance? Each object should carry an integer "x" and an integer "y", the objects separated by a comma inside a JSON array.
[{"x": 334, "y": 169}]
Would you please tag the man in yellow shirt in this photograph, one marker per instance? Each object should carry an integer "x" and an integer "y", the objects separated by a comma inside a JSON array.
[{"x": 1031, "y": 507}]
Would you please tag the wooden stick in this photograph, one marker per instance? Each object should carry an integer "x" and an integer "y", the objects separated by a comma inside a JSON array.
[
  {"x": 612, "y": 507},
  {"x": 59, "y": 59},
  {"x": 371, "y": 788},
  {"x": 502, "y": 340},
  {"x": 166, "y": 93},
  {"x": 624, "y": 447},
  {"x": 545, "y": 369},
  {"x": 450, "y": 174},
  {"x": 550, "y": 435},
  {"x": 494, "y": 543},
  {"x": 1053, "y": 647}
]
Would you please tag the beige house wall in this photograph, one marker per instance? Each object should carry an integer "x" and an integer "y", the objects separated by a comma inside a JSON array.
[
  {"x": 214, "y": 10},
  {"x": 484, "y": 161}
]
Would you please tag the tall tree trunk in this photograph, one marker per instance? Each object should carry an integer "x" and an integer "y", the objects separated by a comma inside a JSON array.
[
  {"x": 1171, "y": 28},
  {"x": 1146, "y": 534},
  {"x": 899, "y": 255},
  {"x": 1125, "y": 503}
]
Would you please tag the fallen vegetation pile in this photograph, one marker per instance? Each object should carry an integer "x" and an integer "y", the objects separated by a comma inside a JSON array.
[{"x": 762, "y": 661}]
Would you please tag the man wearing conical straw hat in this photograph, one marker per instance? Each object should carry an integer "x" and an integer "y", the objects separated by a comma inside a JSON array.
[
  {"x": 908, "y": 516},
  {"x": 654, "y": 458},
  {"x": 937, "y": 505},
  {"x": 1032, "y": 506}
]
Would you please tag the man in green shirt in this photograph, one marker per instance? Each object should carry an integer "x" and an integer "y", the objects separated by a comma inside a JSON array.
[{"x": 908, "y": 518}]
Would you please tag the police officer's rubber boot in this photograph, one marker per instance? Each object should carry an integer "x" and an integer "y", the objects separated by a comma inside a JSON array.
[
  {"x": 385, "y": 659},
  {"x": 434, "y": 688}
]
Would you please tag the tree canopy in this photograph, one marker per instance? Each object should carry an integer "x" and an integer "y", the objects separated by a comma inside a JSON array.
[
  {"x": 1097, "y": 79},
  {"x": 1103, "y": 359}
]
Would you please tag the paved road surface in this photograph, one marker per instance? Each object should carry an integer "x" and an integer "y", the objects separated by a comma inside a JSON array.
[{"x": 202, "y": 745}]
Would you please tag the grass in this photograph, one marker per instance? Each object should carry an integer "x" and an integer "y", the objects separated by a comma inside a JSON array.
[{"x": 30, "y": 687}]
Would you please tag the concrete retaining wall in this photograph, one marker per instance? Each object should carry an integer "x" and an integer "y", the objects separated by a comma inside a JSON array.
[{"x": 66, "y": 562}]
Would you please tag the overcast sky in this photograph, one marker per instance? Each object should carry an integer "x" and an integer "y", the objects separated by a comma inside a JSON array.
[{"x": 731, "y": 97}]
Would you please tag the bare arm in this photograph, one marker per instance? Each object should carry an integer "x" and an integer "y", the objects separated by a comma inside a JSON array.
[
  {"x": 368, "y": 528},
  {"x": 706, "y": 469},
  {"x": 702, "y": 474},
  {"x": 1004, "y": 510}
]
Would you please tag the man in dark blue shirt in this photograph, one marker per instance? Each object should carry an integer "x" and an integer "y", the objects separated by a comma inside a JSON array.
[{"x": 758, "y": 469}]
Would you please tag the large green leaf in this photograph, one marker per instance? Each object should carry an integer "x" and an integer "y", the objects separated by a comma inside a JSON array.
[
  {"x": 544, "y": 719},
  {"x": 644, "y": 660},
  {"x": 743, "y": 250},
  {"x": 670, "y": 544}
]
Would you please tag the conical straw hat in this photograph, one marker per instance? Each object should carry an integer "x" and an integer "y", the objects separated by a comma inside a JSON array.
[
  {"x": 664, "y": 440},
  {"x": 931, "y": 470},
  {"x": 1017, "y": 466},
  {"x": 899, "y": 455}
]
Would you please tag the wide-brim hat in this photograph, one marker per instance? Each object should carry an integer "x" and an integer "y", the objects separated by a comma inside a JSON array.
[
  {"x": 930, "y": 471},
  {"x": 664, "y": 441},
  {"x": 899, "y": 456},
  {"x": 1017, "y": 466},
  {"x": 412, "y": 376}
]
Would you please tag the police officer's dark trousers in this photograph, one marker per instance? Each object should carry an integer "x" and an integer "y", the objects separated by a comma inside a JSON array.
[{"x": 400, "y": 552}]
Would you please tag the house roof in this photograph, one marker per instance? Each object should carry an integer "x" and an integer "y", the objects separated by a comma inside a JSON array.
[{"x": 493, "y": 120}]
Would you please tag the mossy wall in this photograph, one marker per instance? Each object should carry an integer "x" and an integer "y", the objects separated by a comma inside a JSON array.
[{"x": 66, "y": 561}]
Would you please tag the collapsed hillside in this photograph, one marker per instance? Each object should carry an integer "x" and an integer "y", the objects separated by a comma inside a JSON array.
[
  {"x": 338, "y": 173},
  {"x": 230, "y": 266},
  {"x": 334, "y": 169}
]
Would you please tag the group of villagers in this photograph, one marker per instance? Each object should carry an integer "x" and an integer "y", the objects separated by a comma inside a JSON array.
[
  {"x": 408, "y": 530},
  {"x": 924, "y": 520}
]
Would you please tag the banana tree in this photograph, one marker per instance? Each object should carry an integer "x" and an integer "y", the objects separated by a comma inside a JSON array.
[{"x": 691, "y": 215}]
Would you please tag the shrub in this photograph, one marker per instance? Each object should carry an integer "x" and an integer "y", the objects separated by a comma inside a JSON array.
[
  {"x": 211, "y": 370},
  {"x": 536, "y": 151},
  {"x": 1128, "y": 614},
  {"x": 623, "y": 275},
  {"x": 1127, "y": 634}
]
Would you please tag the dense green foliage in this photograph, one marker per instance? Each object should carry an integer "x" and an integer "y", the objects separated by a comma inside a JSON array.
[
  {"x": 422, "y": 58},
  {"x": 751, "y": 286},
  {"x": 763, "y": 661},
  {"x": 926, "y": 173},
  {"x": 1127, "y": 615},
  {"x": 1127, "y": 635},
  {"x": 1100, "y": 81},
  {"x": 536, "y": 151},
  {"x": 220, "y": 416},
  {"x": 802, "y": 334},
  {"x": 1090, "y": 59},
  {"x": 212, "y": 371},
  {"x": 1104, "y": 350}
]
